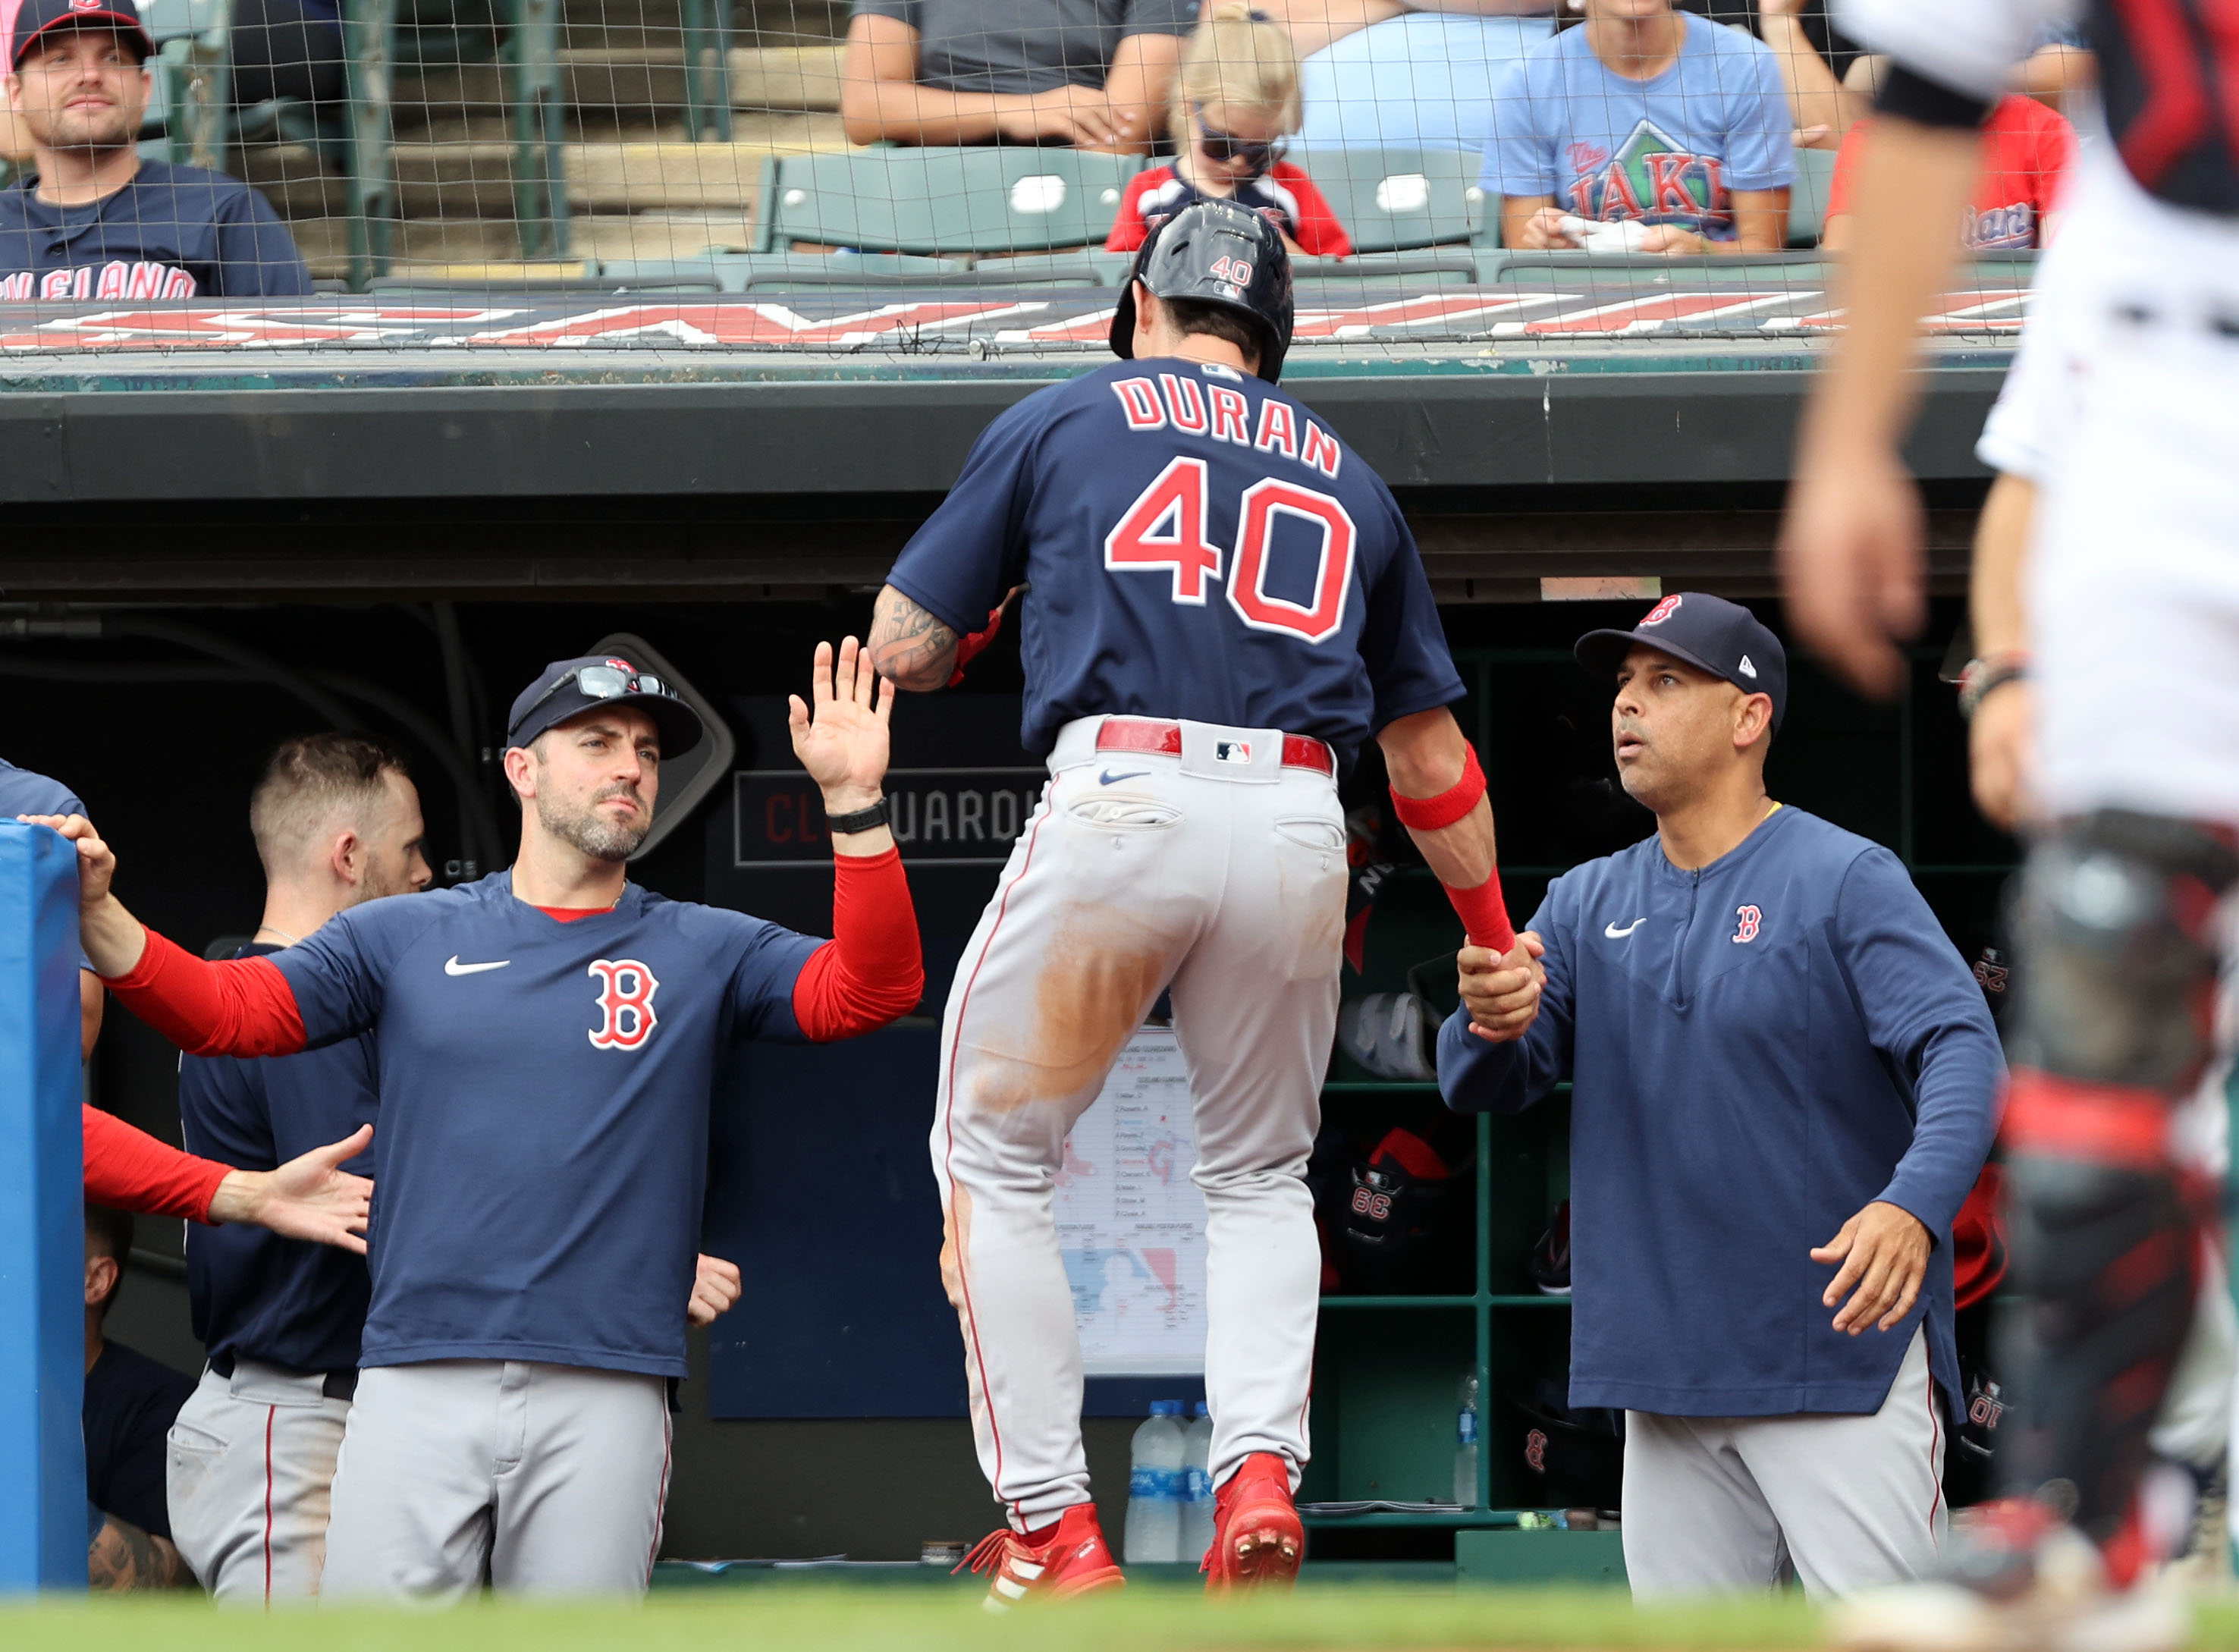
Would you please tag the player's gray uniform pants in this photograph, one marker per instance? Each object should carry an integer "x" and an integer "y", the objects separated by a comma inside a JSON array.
[
  {"x": 1716, "y": 1505},
  {"x": 538, "y": 1479},
  {"x": 250, "y": 1465},
  {"x": 1225, "y": 880}
]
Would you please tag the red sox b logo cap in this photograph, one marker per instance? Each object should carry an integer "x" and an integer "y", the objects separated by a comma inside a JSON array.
[{"x": 1707, "y": 632}]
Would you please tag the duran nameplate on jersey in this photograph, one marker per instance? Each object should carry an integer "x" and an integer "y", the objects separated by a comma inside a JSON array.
[
  {"x": 1130, "y": 1222},
  {"x": 957, "y": 817}
]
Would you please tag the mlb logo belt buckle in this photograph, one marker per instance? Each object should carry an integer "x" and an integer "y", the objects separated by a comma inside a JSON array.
[{"x": 1164, "y": 739}]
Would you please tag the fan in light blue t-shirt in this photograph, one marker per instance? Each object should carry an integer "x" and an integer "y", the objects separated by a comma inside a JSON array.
[
  {"x": 1421, "y": 80},
  {"x": 1665, "y": 150}
]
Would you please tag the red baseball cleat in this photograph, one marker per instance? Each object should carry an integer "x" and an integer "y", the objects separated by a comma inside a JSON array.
[
  {"x": 1257, "y": 1537},
  {"x": 1069, "y": 1558}
]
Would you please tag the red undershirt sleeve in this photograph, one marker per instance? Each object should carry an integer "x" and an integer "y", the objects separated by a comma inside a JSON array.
[
  {"x": 129, "y": 1169},
  {"x": 240, "y": 1007},
  {"x": 873, "y": 969}
]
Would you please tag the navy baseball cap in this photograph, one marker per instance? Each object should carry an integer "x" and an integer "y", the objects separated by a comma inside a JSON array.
[
  {"x": 569, "y": 687},
  {"x": 1707, "y": 632},
  {"x": 37, "y": 16}
]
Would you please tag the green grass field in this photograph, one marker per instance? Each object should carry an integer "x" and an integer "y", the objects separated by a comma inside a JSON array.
[{"x": 783, "y": 1619}]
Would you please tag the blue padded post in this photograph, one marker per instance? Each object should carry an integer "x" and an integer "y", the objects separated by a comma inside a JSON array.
[{"x": 43, "y": 1507}]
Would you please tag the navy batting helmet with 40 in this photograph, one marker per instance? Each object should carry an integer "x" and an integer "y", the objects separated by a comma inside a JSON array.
[{"x": 1216, "y": 252}]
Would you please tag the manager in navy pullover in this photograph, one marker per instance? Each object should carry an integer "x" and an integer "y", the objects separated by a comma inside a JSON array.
[{"x": 1785, "y": 1082}]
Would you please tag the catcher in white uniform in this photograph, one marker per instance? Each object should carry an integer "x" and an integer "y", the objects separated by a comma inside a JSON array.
[{"x": 2124, "y": 413}]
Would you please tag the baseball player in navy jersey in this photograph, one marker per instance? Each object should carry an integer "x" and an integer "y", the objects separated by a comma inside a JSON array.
[
  {"x": 2127, "y": 638},
  {"x": 1223, "y": 603},
  {"x": 545, "y": 1041},
  {"x": 252, "y": 1454}
]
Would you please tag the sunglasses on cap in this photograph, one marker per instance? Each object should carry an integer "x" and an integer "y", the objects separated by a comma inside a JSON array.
[
  {"x": 600, "y": 682},
  {"x": 1259, "y": 154}
]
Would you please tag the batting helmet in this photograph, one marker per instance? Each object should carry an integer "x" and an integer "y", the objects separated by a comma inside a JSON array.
[{"x": 1216, "y": 252}]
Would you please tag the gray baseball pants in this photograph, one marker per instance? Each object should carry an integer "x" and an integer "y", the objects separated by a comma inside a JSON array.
[
  {"x": 250, "y": 1465},
  {"x": 534, "y": 1479},
  {"x": 1724, "y": 1505}
]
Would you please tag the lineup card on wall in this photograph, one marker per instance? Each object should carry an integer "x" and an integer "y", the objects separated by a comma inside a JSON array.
[{"x": 1131, "y": 1222}]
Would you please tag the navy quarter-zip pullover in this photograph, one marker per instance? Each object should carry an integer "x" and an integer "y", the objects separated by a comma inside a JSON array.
[{"x": 1757, "y": 1049}]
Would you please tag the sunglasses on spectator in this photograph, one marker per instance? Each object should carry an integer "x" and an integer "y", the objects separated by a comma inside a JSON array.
[
  {"x": 601, "y": 682},
  {"x": 1259, "y": 154}
]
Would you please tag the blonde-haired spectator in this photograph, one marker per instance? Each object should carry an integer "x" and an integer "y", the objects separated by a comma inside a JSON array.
[{"x": 1235, "y": 101}]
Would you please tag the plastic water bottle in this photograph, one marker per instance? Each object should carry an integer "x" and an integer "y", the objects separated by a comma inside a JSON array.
[
  {"x": 1467, "y": 1428},
  {"x": 1154, "y": 1488},
  {"x": 1196, "y": 1485}
]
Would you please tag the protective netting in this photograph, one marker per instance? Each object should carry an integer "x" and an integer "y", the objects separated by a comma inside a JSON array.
[{"x": 928, "y": 175}]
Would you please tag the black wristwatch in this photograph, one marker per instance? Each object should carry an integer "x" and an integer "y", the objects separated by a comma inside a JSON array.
[{"x": 861, "y": 819}]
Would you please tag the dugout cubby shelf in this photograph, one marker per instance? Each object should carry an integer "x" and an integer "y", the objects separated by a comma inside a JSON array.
[{"x": 1387, "y": 1364}]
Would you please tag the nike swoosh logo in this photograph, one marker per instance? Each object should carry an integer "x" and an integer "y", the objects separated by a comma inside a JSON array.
[
  {"x": 452, "y": 966},
  {"x": 1616, "y": 934},
  {"x": 1109, "y": 779}
]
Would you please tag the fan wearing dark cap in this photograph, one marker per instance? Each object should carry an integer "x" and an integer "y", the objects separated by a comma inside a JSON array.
[
  {"x": 546, "y": 1041},
  {"x": 90, "y": 220},
  {"x": 1784, "y": 1082}
]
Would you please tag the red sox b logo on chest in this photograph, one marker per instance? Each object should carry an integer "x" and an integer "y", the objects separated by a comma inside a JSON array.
[
  {"x": 1752, "y": 920},
  {"x": 626, "y": 990}
]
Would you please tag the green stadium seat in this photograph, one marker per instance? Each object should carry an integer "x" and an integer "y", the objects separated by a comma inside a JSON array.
[
  {"x": 1807, "y": 197},
  {"x": 1396, "y": 199},
  {"x": 939, "y": 203}
]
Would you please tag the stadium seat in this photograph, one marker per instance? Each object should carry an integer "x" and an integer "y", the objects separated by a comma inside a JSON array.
[
  {"x": 939, "y": 203},
  {"x": 1397, "y": 200},
  {"x": 1807, "y": 197}
]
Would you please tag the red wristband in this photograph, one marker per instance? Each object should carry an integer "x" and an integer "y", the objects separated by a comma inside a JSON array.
[
  {"x": 1429, "y": 813},
  {"x": 969, "y": 647},
  {"x": 1485, "y": 914}
]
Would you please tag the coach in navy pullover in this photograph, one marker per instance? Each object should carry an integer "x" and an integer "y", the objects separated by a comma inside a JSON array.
[{"x": 1767, "y": 1044}]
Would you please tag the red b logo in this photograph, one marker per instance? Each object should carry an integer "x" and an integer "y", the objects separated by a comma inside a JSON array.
[
  {"x": 626, "y": 1002},
  {"x": 1752, "y": 921},
  {"x": 1662, "y": 611}
]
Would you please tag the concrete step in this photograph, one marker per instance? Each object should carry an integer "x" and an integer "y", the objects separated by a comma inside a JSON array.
[
  {"x": 627, "y": 84},
  {"x": 660, "y": 22}
]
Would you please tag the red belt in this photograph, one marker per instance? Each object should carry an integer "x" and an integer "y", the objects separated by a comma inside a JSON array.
[{"x": 1145, "y": 734}]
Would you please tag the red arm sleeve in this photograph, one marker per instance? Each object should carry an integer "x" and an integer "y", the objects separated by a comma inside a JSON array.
[
  {"x": 873, "y": 969},
  {"x": 1320, "y": 234},
  {"x": 1128, "y": 228},
  {"x": 129, "y": 1169},
  {"x": 240, "y": 1007}
]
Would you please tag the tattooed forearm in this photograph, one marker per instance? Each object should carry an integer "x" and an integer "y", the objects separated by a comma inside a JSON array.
[
  {"x": 909, "y": 646},
  {"x": 123, "y": 1557}
]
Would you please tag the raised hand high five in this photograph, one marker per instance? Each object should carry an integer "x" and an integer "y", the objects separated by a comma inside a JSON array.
[{"x": 842, "y": 742}]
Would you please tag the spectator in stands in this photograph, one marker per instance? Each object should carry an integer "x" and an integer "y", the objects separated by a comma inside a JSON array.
[
  {"x": 94, "y": 220},
  {"x": 290, "y": 49},
  {"x": 1235, "y": 100},
  {"x": 130, "y": 1401},
  {"x": 1646, "y": 130},
  {"x": 1825, "y": 75},
  {"x": 1420, "y": 76},
  {"x": 2027, "y": 152},
  {"x": 1091, "y": 73}
]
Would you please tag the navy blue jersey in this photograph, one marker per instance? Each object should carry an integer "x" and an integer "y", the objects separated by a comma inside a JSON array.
[
  {"x": 1196, "y": 544},
  {"x": 23, "y": 792},
  {"x": 542, "y": 1152},
  {"x": 173, "y": 232},
  {"x": 255, "y": 1295},
  {"x": 1758, "y": 1048}
]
